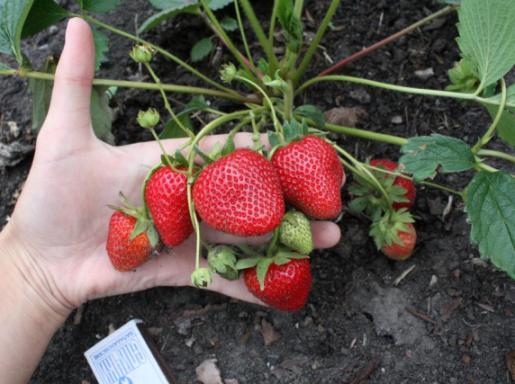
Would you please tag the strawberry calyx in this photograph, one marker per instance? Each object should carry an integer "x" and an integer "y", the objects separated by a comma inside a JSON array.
[
  {"x": 369, "y": 200},
  {"x": 282, "y": 256},
  {"x": 385, "y": 229},
  {"x": 222, "y": 259},
  {"x": 143, "y": 224},
  {"x": 292, "y": 130}
]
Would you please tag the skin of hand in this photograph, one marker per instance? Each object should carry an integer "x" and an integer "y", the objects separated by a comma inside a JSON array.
[{"x": 53, "y": 248}]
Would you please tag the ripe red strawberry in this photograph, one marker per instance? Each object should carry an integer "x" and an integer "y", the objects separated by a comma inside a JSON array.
[
  {"x": 311, "y": 176},
  {"x": 126, "y": 254},
  {"x": 402, "y": 251},
  {"x": 402, "y": 182},
  {"x": 240, "y": 194},
  {"x": 166, "y": 198},
  {"x": 286, "y": 286}
]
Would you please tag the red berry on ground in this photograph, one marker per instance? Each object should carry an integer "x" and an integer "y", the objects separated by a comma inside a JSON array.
[
  {"x": 311, "y": 177},
  {"x": 402, "y": 182},
  {"x": 240, "y": 194},
  {"x": 126, "y": 254},
  {"x": 402, "y": 251},
  {"x": 166, "y": 198},
  {"x": 286, "y": 287}
]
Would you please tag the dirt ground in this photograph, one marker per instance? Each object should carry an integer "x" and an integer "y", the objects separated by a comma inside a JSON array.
[{"x": 450, "y": 320}]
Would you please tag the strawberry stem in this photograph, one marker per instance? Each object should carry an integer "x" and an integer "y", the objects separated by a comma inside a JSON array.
[{"x": 168, "y": 107}]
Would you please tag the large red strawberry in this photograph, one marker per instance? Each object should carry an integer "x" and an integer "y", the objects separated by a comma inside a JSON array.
[
  {"x": 404, "y": 249},
  {"x": 126, "y": 254},
  {"x": 286, "y": 286},
  {"x": 240, "y": 194},
  {"x": 166, "y": 198},
  {"x": 311, "y": 176},
  {"x": 400, "y": 181}
]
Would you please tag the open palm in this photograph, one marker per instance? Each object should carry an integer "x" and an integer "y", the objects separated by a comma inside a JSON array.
[{"x": 61, "y": 217}]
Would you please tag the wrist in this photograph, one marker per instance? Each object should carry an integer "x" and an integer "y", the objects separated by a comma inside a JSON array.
[{"x": 27, "y": 285}]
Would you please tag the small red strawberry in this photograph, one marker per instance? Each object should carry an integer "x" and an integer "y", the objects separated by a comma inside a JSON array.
[
  {"x": 404, "y": 248},
  {"x": 311, "y": 176},
  {"x": 126, "y": 253},
  {"x": 400, "y": 181},
  {"x": 167, "y": 201},
  {"x": 240, "y": 194},
  {"x": 286, "y": 286}
]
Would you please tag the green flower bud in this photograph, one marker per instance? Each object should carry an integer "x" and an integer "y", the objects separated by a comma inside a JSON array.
[
  {"x": 201, "y": 277},
  {"x": 142, "y": 53},
  {"x": 228, "y": 72},
  {"x": 148, "y": 119},
  {"x": 223, "y": 261}
]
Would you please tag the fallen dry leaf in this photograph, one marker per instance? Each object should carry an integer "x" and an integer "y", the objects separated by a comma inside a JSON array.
[
  {"x": 208, "y": 373},
  {"x": 270, "y": 335},
  {"x": 345, "y": 116}
]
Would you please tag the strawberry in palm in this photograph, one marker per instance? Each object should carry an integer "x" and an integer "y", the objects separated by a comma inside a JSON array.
[
  {"x": 125, "y": 250},
  {"x": 240, "y": 193},
  {"x": 284, "y": 286},
  {"x": 311, "y": 176},
  {"x": 167, "y": 201}
]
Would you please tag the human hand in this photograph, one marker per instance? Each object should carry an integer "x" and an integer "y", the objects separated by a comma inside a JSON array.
[{"x": 57, "y": 234}]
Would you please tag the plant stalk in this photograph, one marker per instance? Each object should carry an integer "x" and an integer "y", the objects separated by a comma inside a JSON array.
[
  {"x": 162, "y": 51},
  {"x": 491, "y": 130},
  {"x": 316, "y": 40},
  {"x": 138, "y": 85},
  {"x": 402, "y": 89},
  {"x": 265, "y": 43},
  {"x": 364, "y": 134},
  {"x": 220, "y": 32},
  {"x": 500, "y": 155},
  {"x": 367, "y": 50},
  {"x": 242, "y": 32},
  {"x": 168, "y": 107}
]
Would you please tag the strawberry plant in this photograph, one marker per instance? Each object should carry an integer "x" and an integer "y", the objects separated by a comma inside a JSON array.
[{"x": 298, "y": 172}]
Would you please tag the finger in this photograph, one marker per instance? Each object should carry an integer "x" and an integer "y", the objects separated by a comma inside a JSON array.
[
  {"x": 150, "y": 153},
  {"x": 217, "y": 237},
  {"x": 69, "y": 110},
  {"x": 326, "y": 234}
]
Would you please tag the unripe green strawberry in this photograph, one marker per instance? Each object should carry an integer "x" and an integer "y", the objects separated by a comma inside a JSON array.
[{"x": 295, "y": 232}]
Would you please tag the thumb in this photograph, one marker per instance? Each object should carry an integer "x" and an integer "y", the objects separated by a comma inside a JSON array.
[{"x": 68, "y": 118}]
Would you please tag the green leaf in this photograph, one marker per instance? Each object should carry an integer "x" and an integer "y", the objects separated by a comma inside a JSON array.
[
  {"x": 13, "y": 14},
  {"x": 201, "y": 49},
  {"x": 506, "y": 126},
  {"x": 229, "y": 24},
  {"x": 262, "y": 269},
  {"x": 291, "y": 25},
  {"x": 312, "y": 112},
  {"x": 42, "y": 15},
  {"x": 487, "y": 33},
  {"x": 423, "y": 154},
  {"x": 166, "y": 14},
  {"x": 273, "y": 139},
  {"x": 41, "y": 93},
  {"x": 293, "y": 130},
  {"x": 99, "y": 6},
  {"x": 172, "y": 130},
  {"x": 490, "y": 203},
  {"x": 247, "y": 263},
  {"x": 101, "y": 113},
  {"x": 101, "y": 42},
  {"x": 219, "y": 4},
  {"x": 197, "y": 103},
  {"x": 4, "y": 66},
  {"x": 172, "y": 4}
]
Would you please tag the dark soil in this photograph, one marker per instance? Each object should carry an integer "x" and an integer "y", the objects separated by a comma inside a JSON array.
[{"x": 451, "y": 320}]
